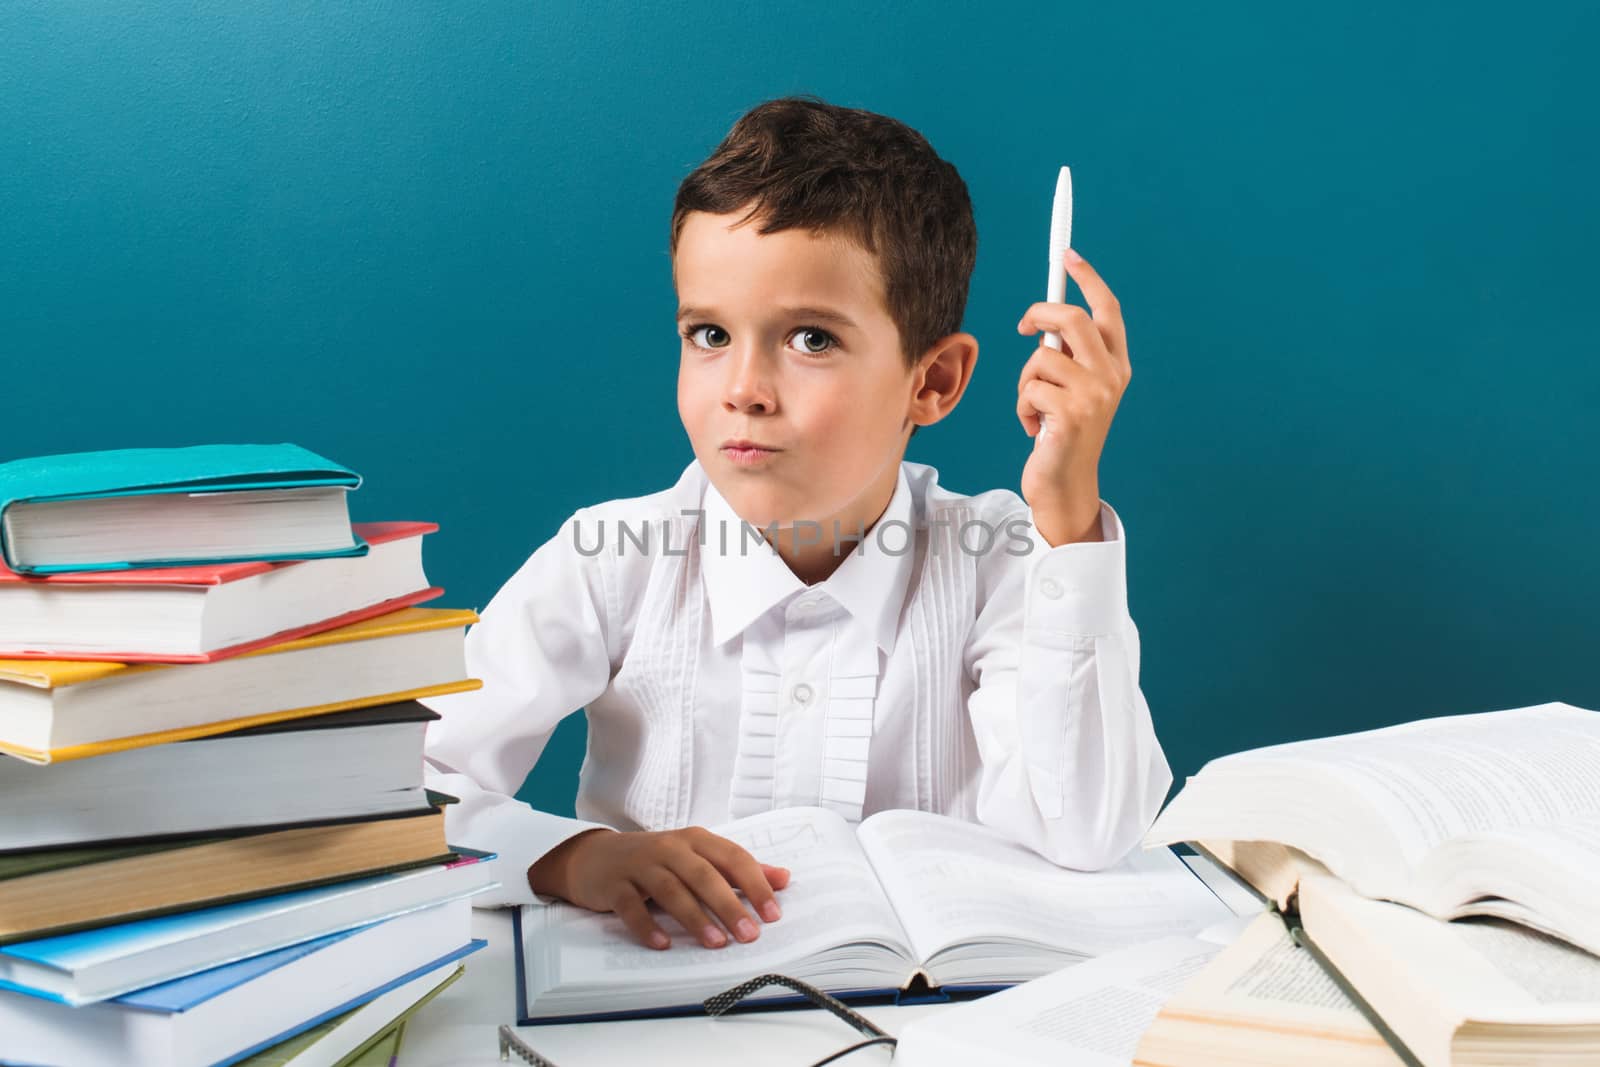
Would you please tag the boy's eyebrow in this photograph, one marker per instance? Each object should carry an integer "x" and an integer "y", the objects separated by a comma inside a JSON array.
[{"x": 818, "y": 313}]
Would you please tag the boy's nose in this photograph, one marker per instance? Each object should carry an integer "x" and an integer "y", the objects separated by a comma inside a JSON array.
[{"x": 749, "y": 385}]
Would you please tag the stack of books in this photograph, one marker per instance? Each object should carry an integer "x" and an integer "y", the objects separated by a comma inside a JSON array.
[{"x": 217, "y": 847}]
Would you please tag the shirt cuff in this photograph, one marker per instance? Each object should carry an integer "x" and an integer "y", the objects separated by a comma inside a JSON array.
[
  {"x": 519, "y": 836},
  {"x": 1078, "y": 588}
]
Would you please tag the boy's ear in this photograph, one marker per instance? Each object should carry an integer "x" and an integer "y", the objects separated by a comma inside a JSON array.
[{"x": 941, "y": 377}]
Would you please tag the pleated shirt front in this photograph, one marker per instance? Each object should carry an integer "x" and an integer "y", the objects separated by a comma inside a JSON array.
[{"x": 954, "y": 662}]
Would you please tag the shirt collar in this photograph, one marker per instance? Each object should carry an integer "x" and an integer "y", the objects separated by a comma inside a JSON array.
[{"x": 749, "y": 578}]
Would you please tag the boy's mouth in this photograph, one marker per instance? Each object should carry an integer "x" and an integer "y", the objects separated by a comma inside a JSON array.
[{"x": 747, "y": 453}]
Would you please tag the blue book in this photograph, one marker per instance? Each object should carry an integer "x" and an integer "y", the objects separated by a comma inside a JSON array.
[
  {"x": 229, "y": 1013},
  {"x": 147, "y": 507},
  {"x": 110, "y": 961}
]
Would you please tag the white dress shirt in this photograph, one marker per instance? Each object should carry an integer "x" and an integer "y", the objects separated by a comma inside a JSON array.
[{"x": 954, "y": 662}]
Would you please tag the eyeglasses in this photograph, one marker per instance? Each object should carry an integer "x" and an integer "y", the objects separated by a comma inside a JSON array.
[{"x": 726, "y": 1001}]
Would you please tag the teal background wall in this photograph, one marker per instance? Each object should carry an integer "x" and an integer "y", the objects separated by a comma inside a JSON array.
[{"x": 1356, "y": 246}]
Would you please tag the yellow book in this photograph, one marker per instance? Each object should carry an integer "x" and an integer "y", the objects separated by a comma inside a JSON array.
[{"x": 64, "y": 709}]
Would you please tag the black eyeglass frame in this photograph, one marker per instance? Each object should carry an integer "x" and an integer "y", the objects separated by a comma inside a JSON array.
[{"x": 723, "y": 1003}]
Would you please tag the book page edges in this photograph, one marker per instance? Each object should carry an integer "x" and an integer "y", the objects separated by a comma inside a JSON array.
[
  {"x": 1272, "y": 869},
  {"x": 55, "y": 674},
  {"x": 100, "y": 748},
  {"x": 206, "y": 575},
  {"x": 382, "y": 608}
]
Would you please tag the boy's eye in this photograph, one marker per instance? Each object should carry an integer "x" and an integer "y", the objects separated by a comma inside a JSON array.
[
  {"x": 814, "y": 341},
  {"x": 715, "y": 336}
]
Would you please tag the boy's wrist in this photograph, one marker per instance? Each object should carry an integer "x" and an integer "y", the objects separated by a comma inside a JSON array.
[
  {"x": 550, "y": 874},
  {"x": 1070, "y": 522}
]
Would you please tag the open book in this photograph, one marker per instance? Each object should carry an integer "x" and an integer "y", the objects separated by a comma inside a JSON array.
[
  {"x": 870, "y": 909},
  {"x": 1476, "y": 818},
  {"x": 1496, "y": 813},
  {"x": 1263, "y": 999},
  {"x": 1092, "y": 1014}
]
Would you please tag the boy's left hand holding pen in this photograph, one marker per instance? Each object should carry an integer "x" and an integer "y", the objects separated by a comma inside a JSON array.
[{"x": 1077, "y": 389}]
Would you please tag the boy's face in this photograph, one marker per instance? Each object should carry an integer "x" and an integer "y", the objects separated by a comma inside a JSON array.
[{"x": 787, "y": 342}]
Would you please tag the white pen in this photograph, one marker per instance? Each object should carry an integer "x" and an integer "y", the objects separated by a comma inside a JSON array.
[{"x": 1060, "y": 240}]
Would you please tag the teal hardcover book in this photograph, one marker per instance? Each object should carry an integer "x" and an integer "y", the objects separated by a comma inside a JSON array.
[{"x": 172, "y": 507}]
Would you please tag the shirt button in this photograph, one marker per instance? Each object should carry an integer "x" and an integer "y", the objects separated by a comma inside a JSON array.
[
  {"x": 801, "y": 693},
  {"x": 1051, "y": 588}
]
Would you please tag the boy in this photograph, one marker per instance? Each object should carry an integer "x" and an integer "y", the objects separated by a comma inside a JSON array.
[{"x": 805, "y": 618}]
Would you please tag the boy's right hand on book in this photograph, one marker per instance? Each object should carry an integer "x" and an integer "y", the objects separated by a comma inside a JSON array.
[{"x": 691, "y": 873}]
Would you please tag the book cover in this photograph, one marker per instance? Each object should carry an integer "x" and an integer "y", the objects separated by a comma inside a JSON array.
[{"x": 195, "y": 468}]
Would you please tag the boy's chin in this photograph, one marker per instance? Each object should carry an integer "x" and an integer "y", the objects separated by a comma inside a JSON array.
[{"x": 762, "y": 506}]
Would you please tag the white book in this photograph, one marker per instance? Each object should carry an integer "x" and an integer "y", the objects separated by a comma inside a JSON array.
[
  {"x": 871, "y": 908},
  {"x": 1495, "y": 813},
  {"x": 1475, "y": 991},
  {"x": 1088, "y": 1015}
]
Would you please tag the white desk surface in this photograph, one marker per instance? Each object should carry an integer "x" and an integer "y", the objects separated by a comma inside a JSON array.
[{"x": 458, "y": 1027}]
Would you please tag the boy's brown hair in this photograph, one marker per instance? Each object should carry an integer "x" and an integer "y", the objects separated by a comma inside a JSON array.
[{"x": 802, "y": 162}]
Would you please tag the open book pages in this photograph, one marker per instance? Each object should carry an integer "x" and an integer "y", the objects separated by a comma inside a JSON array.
[
  {"x": 1474, "y": 991},
  {"x": 1091, "y": 1014},
  {"x": 867, "y": 908},
  {"x": 1438, "y": 813},
  {"x": 1262, "y": 1000}
]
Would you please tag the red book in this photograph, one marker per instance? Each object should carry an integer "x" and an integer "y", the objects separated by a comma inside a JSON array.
[{"x": 209, "y": 612}]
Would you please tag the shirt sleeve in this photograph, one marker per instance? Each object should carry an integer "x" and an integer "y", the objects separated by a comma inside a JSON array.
[
  {"x": 1071, "y": 767},
  {"x": 541, "y": 650}
]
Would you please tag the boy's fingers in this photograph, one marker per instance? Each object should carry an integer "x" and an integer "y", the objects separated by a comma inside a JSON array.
[
  {"x": 1087, "y": 342},
  {"x": 1106, "y": 307},
  {"x": 714, "y": 892},
  {"x": 664, "y": 887},
  {"x": 1090, "y": 343},
  {"x": 777, "y": 877},
  {"x": 1057, "y": 368},
  {"x": 630, "y": 908},
  {"x": 743, "y": 870},
  {"x": 1038, "y": 397}
]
